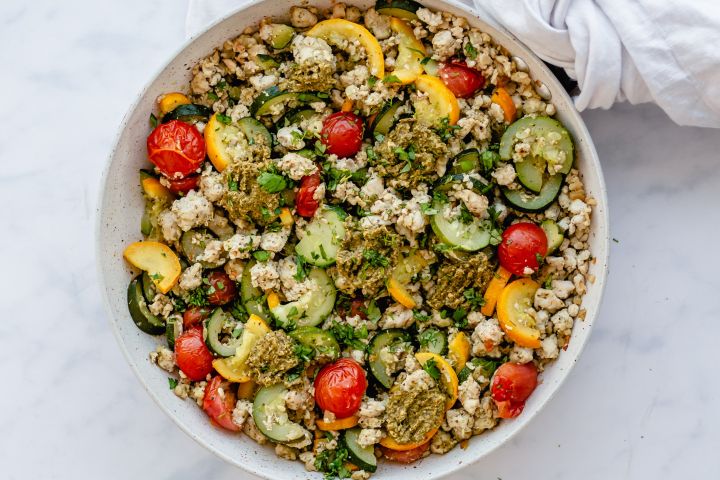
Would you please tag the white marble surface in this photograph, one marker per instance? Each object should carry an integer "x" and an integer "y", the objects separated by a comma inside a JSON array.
[{"x": 640, "y": 404}]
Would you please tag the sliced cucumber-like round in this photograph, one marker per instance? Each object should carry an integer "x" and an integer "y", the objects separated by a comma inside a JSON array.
[
  {"x": 266, "y": 62},
  {"x": 398, "y": 8},
  {"x": 531, "y": 172},
  {"x": 466, "y": 236},
  {"x": 312, "y": 307},
  {"x": 173, "y": 329},
  {"x": 263, "y": 103},
  {"x": 528, "y": 202},
  {"x": 148, "y": 287},
  {"x": 254, "y": 131},
  {"x": 323, "y": 236},
  {"x": 298, "y": 115},
  {"x": 553, "y": 233},
  {"x": 466, "y": 161},
  {"x": 433, "y": 340},
  {"x": 188, "y": 113},
  {"x": 139, "y": 311},
  {"x": 385, "y": 119},
  {"x": 376, "y": 359},
  {"x": 271, "y": 418},
  {"x": 280, "y": 35},
  {"x": 363, "y": 457},
  {"x": 193, "y": 243},
  {"x": 479, "y": 184},
  {"x": 252, "y": 297},
  {"x": 322, "y": 341},
  {"x": 213, "y": 331},
  {"x": 553, "y": 142}
]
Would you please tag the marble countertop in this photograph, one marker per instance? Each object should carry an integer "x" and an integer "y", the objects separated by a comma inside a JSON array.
[{"x": 640, "y": 404}]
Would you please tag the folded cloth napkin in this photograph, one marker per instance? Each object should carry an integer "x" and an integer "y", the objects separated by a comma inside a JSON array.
[{"x": 664, "y": 51}]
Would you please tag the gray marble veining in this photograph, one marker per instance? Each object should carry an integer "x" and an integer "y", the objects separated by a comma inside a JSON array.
[{"x": 640, "y": 404}]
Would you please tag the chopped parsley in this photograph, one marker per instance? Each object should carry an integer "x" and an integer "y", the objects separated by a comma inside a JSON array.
[
  {"x": 445, "y": 130},
  {"x": 212, "y": 96},
  {"x": 391, "y": 79},
  {"x": 459, "y": 317},
  {"x": 373, "y": 311},
  {"x": 427, "y": 209},
  {"x": 374, "y": 258},
  {"x": 489, "y": 159},
  {"x": 172, "y": 382},
  {"x": 465, "y": 216},
  {"x": 474, "y": 298},
  {"x": 332, "y": 462},
  {"x": 304, "y": 352},
  {"x": 198, "y": 297},
  {"x": 372, "y": 81},
  {"x": 272, "y": 182},
  {"x": 470, "y": 51},
  {"x": 538, "y": 258},
  {"x": 347, "y": 335},
  {"x": 300, "y": 272},
  {"x": 425, "y": 61},
  {"x": 432, "y": 369},
  {"x": 224, "y": 119},
  {"x": 153, "y": 120},
  {"x": 238, "y": 311},
  {"x": 420, "y": 316}
]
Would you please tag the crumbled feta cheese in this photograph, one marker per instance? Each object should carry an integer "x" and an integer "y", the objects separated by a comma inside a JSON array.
[
  {"x": 191, "y": 278},
  {"x": 192, "y": 210},
  {"x": 312, "y": 50},
  {"x": 296, "y": 166},
  {"x": 291, "y": 138}
]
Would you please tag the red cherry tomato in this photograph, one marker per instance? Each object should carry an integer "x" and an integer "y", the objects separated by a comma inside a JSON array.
[
  {"x": 192, "y": 356},
  {"x": 222, "y": 287},
  {"x": 512, "y": 384},
  {"x": 184, "y": 185},
  {"x": 176, "y": 148},
  {"x": 194, "y": 316},
  {"x": 219, "y": 406},
  {"x": 406, "y": 456},
  {"x": 342, "y": 133},
  {"x": 340, "y": 386},
  {"x": 523, "y": 244},
  {"x": 462, "y": 80},
  {"x": 305, "y": 204}
]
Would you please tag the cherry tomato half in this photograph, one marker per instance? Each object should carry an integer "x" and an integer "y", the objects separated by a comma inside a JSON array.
[
  {"x": 194, "y": 316},
  {"x": 219, "y": 406},
  {"x": 192, "y": 356},
  {"x": 405, "y": 456},
  {"x": 176, "y": 148},
  {"x": 512, "y": 384},
  {"x": 462, "y": 80},
  {"x": 305, "y": 204},
  {"x": 184, "y": 185},
  {"x": 342, "y": 133},
  {"x": 340, "y": 386},
  {"x": 222, "y": 287},
  {"x": 523, "y": 245}
]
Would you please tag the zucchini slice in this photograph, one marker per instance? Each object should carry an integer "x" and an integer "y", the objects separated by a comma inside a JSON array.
[
  {"x": 433, "y": 340},
  {"x": 148, "y": 287},
  {"x": 311, "y": 308},
  {"x": 323, "y": 236},
  {"x": 466, "y": 161},
  {"x": 271, "y": 418},
  {"x": 139, "y": 311},
  {"x": 529, "y": 202},
  {"x": 385, "y": 120},
  {"x": 254, "y": 131},
  {"x": 552, "y": 142},
  {"x": 188, "y": 113},
  {"x": 553, "y": 233},
  {"x": 280, "y": 35},
  {"x": 266, "y": 62},
  {"x": 394, "y": 338},
  {"x": 263, "y": 103},
  {"x": 479, "y": 184},
  {"x": 213, "y": 332},
  {"x": 530, "y": 172},
  {"x": 193, "y": 243},
  {"x": 363, "y": 457},
  {"x": 322, "y": 341},
  {"x": 466, "y": 236},
  {"x": 173, "y": 330},
  {"x": 253, "y": 298},
  {"x": 398, "y": 8},
  {"x": 296, "y": 116}
]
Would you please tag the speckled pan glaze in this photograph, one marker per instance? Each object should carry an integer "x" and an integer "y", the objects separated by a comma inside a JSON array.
[{"x": 121, "y": 206}]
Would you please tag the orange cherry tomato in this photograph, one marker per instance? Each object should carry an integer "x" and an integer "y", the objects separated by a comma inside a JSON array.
[
  {"x": 184, "y": 185},
  {"x": 462, "y": 80},
  {"x": 340, "y": 386},
  {"x": 176, "y": 148},
  {"x": 342, "y": 133},
  {"x": 523, "y": 245},
  {"x": 305, "y": 204},
  {"x": 511, "y": 386},
  {"x": 192, "y": 355},
  {"x": 219, "y": 406},
  {"x": 222, "y": 287},
  {"x": 405, "y": 456}
]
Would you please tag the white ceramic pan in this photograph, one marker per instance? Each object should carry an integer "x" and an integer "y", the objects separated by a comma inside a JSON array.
[{"x": 121, "y": 206}]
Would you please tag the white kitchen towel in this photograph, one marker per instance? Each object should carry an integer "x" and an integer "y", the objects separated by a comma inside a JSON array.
[{"x": 665, "y": 51}]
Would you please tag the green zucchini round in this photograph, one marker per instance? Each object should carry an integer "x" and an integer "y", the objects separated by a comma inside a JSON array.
[{"x": 529, "y": 202}]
